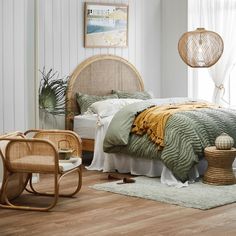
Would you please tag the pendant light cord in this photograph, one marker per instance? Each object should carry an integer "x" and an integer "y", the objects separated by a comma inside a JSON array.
[{"x": 200, "y": 11}]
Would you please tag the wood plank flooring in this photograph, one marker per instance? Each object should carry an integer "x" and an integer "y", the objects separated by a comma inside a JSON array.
[{"x": 94, "y": 212}]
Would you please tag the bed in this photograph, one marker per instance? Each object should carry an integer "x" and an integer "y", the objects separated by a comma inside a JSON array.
[
  {"x": 98, "y": 75},
  {"x": 101, "y": 74}
]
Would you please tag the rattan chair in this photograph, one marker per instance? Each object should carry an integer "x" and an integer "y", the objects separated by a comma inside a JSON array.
[
  {"x": 40, "y": 153},
  {"x": 16, "y": 181}
]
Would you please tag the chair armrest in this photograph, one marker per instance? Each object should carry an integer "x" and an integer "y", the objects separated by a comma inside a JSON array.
[
  {"x": 31, "y": 131},
  {"x": 31, "y": 155}
]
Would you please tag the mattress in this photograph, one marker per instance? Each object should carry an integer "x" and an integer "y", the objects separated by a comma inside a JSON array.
[{"x": 85, "y": 126}]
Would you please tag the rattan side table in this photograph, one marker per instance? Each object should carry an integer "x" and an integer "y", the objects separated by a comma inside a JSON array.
[{"x": 219, "y": 170}]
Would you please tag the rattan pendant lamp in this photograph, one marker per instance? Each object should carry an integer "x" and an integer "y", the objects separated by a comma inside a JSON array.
[{"x": 200, "y": 48}]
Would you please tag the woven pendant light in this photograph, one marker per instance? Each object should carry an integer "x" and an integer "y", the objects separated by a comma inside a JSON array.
[{"x": 200, "y": 48}]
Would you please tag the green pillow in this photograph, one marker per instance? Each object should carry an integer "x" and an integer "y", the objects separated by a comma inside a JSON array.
[
  {"x": 85, "y": 100},
  {"x": 136, "y": 95}
]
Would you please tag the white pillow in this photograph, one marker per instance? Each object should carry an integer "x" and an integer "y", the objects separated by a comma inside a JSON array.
[{"x": 110, "y": 106}]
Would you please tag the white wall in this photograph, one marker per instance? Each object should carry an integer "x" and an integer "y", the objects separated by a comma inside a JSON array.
[
  {"x": 61, "y": 26},
  {"x": 154, "y": 29},
  {"x": 174, "y": 82},
  {"x": 16, "y": 65}
]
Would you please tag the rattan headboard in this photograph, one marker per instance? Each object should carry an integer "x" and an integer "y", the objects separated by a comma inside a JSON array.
[{"x": 98, "y": 75}]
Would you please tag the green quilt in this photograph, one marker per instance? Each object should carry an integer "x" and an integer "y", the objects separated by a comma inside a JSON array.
[{"x": 186, "y": 135}]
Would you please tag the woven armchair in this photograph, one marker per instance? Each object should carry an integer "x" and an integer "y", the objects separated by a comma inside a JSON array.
[
  {"x": 16, "y": 181},
  {"x": 39, "y": 153}
]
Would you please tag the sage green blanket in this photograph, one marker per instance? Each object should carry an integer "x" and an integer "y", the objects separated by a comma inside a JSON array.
[{"x": 186, "y": 135}]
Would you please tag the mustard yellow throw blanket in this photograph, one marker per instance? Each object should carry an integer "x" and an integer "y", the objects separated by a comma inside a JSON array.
[{"x": 153, "y": 120}]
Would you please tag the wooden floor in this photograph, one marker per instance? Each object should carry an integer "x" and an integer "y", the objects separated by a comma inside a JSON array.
[{"x": 94, "y": 212}]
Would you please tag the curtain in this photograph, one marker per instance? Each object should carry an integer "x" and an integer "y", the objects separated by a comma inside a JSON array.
[{"x": 218, "y": 16}]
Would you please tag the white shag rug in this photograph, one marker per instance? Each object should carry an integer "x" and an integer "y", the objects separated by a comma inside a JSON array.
[{"x": 197, "y": 195}]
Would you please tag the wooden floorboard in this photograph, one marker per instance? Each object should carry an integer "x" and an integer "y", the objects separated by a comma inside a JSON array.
[{"x": 94, "y": 212}]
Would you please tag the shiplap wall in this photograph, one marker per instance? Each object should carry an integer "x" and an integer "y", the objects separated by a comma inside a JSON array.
[
  {"x": 60, "y": 41},
  {"x": 61, "y": 32},
  {"x": 16, "y": 65}
]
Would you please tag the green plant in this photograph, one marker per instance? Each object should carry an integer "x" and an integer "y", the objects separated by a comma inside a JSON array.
[{"x": 52, "y": 91}]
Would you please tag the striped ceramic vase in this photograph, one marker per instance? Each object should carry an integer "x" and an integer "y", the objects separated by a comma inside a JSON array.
[{"x": 224, "y": 142}]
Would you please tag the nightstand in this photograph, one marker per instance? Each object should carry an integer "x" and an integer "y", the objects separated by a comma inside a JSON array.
[{"x": 219, "y": 170}]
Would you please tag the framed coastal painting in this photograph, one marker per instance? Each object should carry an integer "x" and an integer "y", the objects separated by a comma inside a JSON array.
[{"x": 106, "y": 25}]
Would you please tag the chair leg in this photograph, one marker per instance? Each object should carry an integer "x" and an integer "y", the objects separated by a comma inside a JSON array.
[
  {"x": 79, "y": 172},
  {"x": 10, "y": 205},
  {"x": 34, "y": 191},
  {"x": 78, "y": 187},
  {"x": 31, "y": 190}
]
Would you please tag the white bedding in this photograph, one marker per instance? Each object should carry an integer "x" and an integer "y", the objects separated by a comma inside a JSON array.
[
  {"x": 85, "y": 125},
  {"x": 137, "y": 166}
]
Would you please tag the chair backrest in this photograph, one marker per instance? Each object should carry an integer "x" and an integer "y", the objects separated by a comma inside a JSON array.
[
  {"x": 3, "y": 144},
  {"x": 31, "y": 156},
  {"x": 62, "y": 139},
  {"x": 17, "y": 181}
]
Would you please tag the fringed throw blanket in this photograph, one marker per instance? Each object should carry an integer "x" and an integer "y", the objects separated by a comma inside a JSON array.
[{"x": 153, "y": 120}]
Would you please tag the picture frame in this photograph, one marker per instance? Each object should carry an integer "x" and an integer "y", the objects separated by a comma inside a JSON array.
[{"x": 105, "y": 25}]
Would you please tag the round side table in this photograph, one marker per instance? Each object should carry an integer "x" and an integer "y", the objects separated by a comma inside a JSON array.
[{"x": 219, "y": 170}]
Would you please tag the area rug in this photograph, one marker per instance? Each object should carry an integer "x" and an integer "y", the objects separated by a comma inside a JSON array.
[{"x": 197, "y": 195}]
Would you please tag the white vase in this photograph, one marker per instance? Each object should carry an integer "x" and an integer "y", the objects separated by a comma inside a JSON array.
[
  {"x": 49, "y": 121},
  {"x": 224, "y": 142}
]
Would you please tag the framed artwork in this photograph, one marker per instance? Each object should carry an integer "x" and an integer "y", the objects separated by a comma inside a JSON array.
[{"x": 106, "y": 25}]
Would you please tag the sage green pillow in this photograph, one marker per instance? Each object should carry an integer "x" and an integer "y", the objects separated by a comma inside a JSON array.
[
  {"x": 135, "y": 95},
  {"x": 85, "y": 100}
]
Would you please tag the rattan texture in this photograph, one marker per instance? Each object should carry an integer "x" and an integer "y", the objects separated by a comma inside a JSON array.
[
  {"x": 219, "y": 170},
  {"x": 16, "y": 181},
  {"x": 200, "y": 48},
  {"x": 39, "y": 154},
  {"x": 99, "y": 75},
  {"x": 62, "y": 140}
]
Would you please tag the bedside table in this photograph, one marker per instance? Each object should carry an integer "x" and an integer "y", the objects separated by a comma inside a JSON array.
[{"x": 219, "y": 170}]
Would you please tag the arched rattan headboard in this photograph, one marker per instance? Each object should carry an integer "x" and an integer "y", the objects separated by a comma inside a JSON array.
[{"x": 98, "y": 75}]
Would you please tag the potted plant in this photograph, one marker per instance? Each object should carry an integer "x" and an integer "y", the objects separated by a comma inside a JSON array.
[{"x": 52, "y": 100}]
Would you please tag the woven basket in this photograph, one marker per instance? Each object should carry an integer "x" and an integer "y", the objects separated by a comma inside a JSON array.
[{"x": 219, "y": 170}]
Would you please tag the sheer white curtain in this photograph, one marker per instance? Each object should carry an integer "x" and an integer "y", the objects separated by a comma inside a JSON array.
[{"x": 218, "y": 16}]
